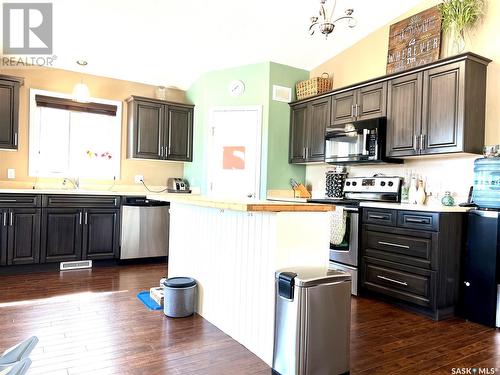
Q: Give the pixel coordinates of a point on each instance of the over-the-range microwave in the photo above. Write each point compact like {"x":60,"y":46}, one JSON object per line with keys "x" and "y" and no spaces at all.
{"x":357,"y":142}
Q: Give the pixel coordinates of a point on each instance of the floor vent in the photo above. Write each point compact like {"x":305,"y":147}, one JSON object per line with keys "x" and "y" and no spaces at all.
{"x":75,"y":265}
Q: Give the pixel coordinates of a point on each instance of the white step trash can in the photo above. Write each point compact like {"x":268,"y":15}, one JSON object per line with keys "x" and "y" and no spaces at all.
{"x":312,"y":322}
{"x":179,"y":297}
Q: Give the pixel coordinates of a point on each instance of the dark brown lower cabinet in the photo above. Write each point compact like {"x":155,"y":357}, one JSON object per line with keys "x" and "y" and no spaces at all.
{"x":413,"y":258}
{"x":23,"y":236}
{"x":3,"y":236}
{"x":62,"y":234}
{"x":101,"y":233}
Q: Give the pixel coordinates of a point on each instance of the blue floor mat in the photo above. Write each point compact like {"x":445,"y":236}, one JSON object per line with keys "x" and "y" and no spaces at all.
{"x":145,"y":298}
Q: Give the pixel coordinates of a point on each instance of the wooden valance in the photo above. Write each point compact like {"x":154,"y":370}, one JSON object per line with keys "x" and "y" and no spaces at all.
{"x":71,"y":105}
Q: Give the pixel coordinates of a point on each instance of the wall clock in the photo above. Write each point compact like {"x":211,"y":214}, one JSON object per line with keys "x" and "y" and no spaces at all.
{"x":236,"y":88}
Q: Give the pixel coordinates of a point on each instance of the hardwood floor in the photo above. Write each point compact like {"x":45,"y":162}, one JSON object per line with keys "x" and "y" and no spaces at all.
{"x":89,"y":322}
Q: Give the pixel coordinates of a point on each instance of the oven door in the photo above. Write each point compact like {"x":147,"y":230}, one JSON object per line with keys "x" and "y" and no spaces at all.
{"x":347,"y":251}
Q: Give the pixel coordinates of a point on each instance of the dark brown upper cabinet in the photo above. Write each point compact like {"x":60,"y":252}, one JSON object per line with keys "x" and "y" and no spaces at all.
{"x":9,"y":111}
{"x":404,"y":114}
{"x":360,"y":104}
{"x":307,"y":131}
{"x":439,"y":110}
{"x":159,"y":130}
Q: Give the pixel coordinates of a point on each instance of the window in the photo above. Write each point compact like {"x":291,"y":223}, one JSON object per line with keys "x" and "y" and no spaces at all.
{"x":66,"y":142}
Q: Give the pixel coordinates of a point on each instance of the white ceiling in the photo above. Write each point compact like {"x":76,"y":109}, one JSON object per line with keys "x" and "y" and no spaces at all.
{"x":173,"y":42}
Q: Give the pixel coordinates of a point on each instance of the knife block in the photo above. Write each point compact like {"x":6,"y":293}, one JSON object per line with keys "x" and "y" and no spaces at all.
{"x":301,"y":192}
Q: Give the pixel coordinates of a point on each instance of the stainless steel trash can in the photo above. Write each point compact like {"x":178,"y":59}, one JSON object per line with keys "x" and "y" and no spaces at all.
{"x":179,"y":297}
{"x":312,"y":322}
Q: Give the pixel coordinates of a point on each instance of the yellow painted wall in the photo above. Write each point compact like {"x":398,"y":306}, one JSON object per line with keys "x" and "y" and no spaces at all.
{"x":155,"y":172}
{"x":367,"y":59}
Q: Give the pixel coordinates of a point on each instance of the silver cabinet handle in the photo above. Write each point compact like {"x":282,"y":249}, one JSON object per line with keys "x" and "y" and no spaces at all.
{"x":161,"y":151}
{"x":352,"y":110}
{"x":393,"y":244}
{"x":392,"y":280}
{"x":15,"y":139}
{"x":379,"y":217}
{"x":415,"y":143}
{"x":357,"y":110}
{"x":303,"y":153}
{"x":80,"y":214}
{"x":7,"y":200}
{"x":86,"y":218}
{"x":5,"y":219}
{"x":307,"y":152}
{"x":418,"y":221}
{"x":422,"y":141}
{"x":11,"y":219}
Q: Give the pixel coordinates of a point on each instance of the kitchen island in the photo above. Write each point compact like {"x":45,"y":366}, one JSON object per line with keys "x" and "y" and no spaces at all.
{"x":233,"y":250}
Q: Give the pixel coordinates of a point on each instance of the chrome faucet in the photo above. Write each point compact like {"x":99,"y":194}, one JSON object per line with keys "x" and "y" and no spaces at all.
{"x":75,"y":182}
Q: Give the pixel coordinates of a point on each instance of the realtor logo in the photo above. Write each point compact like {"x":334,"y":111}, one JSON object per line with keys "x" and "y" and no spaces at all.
{"x":27,"y":28}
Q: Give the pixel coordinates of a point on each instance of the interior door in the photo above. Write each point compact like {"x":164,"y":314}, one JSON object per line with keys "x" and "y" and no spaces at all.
{"x":101,"y":233}
{"x":404,"y":114}
{"x":343,"y":108}
{"x":442,"y":114}
{"x":180,"y":134}
{"x":298,"y":133}
{"x":148,"y":128}
{"x":319,"y":113}
{"x":234,"y":151}
{"x":23,"y":236}
{"x":62,"y":235}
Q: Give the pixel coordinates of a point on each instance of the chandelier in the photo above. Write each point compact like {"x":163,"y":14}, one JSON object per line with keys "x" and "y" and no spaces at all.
{"x":325,"y":22}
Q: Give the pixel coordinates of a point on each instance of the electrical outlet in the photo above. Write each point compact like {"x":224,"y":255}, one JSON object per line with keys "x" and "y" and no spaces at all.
{"x":11,"y":174}
{"x":138,"y":178}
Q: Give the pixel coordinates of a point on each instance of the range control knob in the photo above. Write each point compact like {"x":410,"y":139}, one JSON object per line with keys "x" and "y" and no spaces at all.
{"x":354,"y":183}
{"x":382,"y":183}
{"x":347,"y":183}
{"x":390,"y":183}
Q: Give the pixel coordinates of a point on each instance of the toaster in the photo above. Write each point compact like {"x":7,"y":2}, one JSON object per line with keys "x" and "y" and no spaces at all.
{"x":177,"y":185}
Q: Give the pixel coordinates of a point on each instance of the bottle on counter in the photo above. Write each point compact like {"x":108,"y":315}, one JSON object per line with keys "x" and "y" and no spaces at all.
{"x":412,"y":191}
{"x":447,"y":199}
{"x":405,"y":189}
{"x":420,"y":195}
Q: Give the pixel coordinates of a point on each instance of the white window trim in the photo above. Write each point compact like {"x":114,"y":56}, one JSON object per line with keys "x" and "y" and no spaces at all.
{"x":33,"y":124}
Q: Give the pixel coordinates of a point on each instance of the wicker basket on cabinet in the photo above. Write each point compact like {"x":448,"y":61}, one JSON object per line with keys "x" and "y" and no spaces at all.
{"x":313,"y":86}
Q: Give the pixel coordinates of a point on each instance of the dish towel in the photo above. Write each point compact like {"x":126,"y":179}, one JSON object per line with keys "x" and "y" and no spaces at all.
{"x":337,"y":225}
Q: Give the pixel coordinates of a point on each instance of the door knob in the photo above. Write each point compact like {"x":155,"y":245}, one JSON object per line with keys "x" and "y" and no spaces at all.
{"x":250,"y":195}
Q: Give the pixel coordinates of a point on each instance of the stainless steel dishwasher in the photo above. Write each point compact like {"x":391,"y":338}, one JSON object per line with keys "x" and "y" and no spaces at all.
{"x":145,"y":227}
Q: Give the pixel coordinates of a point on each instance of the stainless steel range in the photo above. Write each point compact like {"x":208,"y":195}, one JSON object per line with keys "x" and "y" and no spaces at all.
{"x":345,"y":256}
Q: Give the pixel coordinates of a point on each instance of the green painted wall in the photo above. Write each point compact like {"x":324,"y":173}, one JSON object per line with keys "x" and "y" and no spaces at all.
{"x":211,"y":90}
{"x":279,"y":171}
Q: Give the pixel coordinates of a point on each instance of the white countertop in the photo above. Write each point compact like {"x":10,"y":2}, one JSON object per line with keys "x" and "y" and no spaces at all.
{"x":79,"y":192}
{"x":415,"y":207}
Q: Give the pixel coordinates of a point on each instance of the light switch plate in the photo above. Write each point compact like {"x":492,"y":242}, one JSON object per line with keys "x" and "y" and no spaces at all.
{"x":11,"y":174}
{"x":138,"y":178}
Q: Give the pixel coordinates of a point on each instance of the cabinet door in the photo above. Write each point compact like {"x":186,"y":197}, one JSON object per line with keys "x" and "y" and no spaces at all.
{"x":442,"y":113}
{"x":9,"y":114}
{"x":179,"y":134}
{"x":319,"y":115}
{"x":23,"y":236}
{"x":101,"y":233}
{"x":62,"y":230}
{"x":404,"y":111}
{"x":298,"y":134}
{"x":372,"y":101}
{"x":146,"y":124}
{"x":343,"y":108}
{"x":3,"y":237}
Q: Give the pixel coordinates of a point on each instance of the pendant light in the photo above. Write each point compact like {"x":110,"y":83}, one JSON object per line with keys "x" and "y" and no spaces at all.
{"x":81,"y":92}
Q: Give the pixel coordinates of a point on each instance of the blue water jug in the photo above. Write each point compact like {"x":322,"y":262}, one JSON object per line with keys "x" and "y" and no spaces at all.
{"x":487,"y":182}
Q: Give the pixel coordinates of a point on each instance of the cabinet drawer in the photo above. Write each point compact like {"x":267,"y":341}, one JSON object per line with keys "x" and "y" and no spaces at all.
{"x":379,"y":216}
{"x":418,"y":220}
{"x":401,"y":282}
{"x":19,"y":200}
{"x":401,"y":248}
{"x":81,"y":201}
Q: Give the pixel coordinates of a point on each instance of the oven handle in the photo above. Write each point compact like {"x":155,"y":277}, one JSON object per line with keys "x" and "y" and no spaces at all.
{"x":364,"y":151}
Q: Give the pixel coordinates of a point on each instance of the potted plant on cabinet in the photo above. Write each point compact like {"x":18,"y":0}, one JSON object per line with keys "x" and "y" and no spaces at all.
{"x":457,"y":17}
